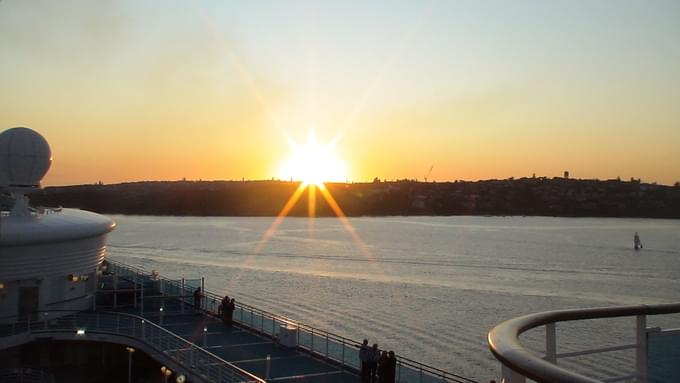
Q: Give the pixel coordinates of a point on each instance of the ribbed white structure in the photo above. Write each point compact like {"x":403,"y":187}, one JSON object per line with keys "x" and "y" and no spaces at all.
{"x":39,"y":253}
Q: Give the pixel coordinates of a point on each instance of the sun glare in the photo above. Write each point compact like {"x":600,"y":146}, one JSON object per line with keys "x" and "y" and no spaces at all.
{"x":313,"y":164}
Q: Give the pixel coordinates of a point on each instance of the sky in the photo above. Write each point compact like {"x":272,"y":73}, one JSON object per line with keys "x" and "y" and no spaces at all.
{"x":213,"y":90}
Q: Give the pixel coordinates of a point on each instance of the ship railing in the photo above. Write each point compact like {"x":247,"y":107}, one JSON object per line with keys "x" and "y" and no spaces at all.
{"x":651,"y":364}
{"x":25,"y":375}
{"x":327,"y":345}
{"x":194,"y":360}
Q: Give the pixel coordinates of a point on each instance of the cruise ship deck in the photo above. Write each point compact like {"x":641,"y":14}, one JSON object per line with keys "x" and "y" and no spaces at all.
{"x":241,"y":345}
{"x":144,"y":311}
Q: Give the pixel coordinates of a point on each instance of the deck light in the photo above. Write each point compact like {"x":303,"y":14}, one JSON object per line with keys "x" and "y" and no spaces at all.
{"x":80,"y":332}
{"x":166,"y":371}
{"x":181,"y":379}
{"x":2,"y":285}
{"x":72,"y":278}
{"x":130,"y":349}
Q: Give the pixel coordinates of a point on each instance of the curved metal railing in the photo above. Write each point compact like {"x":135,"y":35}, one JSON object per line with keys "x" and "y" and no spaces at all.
{"x":333,"y":347}
{"x":25,"y":375}
{"x":504,"y":340}
{"x":192,"y":358}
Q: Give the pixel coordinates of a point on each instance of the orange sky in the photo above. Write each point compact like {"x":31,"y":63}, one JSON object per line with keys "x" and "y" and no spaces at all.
{"x":206,"y":90}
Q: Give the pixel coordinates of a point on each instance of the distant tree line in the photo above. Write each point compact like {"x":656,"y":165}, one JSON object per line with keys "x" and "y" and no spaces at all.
{"x":525,"y":196}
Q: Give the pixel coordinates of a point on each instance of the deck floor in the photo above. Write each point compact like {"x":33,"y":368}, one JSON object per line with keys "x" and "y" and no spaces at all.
{"x":238,"y":344}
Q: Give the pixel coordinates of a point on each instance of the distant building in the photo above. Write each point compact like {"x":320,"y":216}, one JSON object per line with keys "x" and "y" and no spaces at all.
{"x":566,"y":174}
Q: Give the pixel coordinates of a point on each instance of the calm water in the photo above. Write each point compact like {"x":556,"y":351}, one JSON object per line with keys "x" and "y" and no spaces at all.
{"x":428,"y":287}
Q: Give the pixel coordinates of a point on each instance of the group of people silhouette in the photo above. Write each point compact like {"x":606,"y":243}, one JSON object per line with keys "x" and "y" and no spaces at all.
{"x":377,"y":366}
{"x":226,"y":310}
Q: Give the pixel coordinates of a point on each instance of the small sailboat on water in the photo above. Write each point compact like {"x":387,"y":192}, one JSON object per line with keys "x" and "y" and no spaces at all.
{"x":637,"y":244}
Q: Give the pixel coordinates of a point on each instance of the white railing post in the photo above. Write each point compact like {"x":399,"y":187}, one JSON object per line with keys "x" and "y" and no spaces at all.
{"x":510,"y":376}
{"x":641,"y":354}
{"x":550,"y":343}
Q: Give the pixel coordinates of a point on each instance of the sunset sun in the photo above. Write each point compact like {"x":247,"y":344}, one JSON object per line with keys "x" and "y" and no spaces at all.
{"x":313,"y":164}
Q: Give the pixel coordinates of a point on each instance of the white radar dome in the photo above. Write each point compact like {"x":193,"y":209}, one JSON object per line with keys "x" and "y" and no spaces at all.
{"x":25,"y":157}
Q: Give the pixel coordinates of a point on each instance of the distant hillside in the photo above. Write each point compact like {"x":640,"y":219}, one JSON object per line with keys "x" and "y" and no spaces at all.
{"x":525,"y":196}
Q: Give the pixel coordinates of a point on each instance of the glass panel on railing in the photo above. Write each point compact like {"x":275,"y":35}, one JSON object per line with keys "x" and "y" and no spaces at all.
{"x":245,"y":317}
{"x":663,"y":356}
{"x":432,"y":378}
{"x":256,"y":321}
{"x":408,"y":375}
{"x":352,"y":356}
{"x":320,"y":344}
{"x":335,"y":350}
{"x":305,"y":339}
{"x":268,"y":326}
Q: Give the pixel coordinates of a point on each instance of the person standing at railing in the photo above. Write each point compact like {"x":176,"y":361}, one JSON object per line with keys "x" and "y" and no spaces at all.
{"x":391,"y":367}
{"x":373,"y":364}
{"x":365,"y":359}
{"x":383,"y":365}
{"x":229,"y":309}
{"x":222,"y":310}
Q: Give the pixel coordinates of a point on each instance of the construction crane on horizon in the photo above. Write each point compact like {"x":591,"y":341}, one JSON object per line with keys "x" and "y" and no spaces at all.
{"x":429,"y":172}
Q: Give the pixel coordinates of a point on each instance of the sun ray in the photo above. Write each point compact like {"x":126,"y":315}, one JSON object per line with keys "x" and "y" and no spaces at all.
{"x":345,"y":222}
{"x":311,"y":203}
{"x":279,"y":218}
{"x":269,"y":232}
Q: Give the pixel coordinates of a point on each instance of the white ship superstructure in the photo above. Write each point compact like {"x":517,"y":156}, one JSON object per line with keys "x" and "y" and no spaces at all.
{"x":48,"y":257}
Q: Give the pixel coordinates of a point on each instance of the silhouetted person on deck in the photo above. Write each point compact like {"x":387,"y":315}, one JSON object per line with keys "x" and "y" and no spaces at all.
{"x":383,"y":366}
{"x":231,"y":306}
{"x":373,"y":365}
{"x":365,"y":359}
{"x":391,"y":367}
{"x":197,"y":298}
{"x":222,"y":311}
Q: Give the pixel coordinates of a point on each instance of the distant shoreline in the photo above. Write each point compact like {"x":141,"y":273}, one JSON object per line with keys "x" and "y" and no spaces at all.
{"x":547,"y":197}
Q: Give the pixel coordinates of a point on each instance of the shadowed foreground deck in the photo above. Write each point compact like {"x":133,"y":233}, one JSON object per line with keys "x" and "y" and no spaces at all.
{"x":238,"y":344}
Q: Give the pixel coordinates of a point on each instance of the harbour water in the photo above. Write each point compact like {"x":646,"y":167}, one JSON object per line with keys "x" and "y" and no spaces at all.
{"x":428,"y":287}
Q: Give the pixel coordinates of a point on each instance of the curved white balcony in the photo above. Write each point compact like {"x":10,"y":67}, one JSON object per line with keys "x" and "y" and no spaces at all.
{"x":518,"y":363}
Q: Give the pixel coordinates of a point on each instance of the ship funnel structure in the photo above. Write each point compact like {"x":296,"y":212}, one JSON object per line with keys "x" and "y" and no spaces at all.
{"x":25,"y":157}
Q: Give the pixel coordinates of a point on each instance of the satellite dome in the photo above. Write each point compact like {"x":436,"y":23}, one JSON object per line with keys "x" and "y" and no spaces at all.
{"x":25,"y":157}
